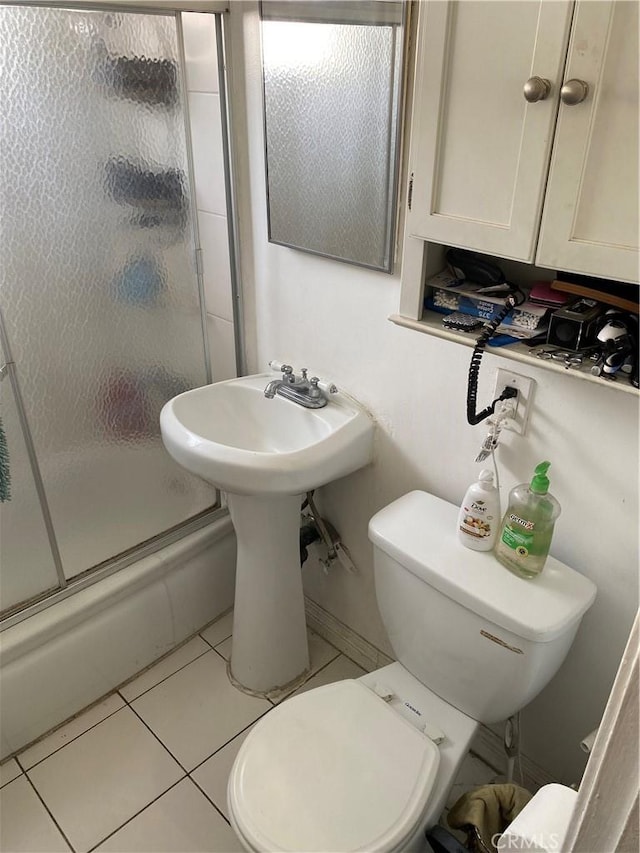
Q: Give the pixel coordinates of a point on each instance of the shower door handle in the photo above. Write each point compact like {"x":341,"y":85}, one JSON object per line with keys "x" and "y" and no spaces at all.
{"x":4,"y":369}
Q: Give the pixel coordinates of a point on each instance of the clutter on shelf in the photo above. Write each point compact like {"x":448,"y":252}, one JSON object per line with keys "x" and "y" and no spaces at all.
{"x":576,"y":321}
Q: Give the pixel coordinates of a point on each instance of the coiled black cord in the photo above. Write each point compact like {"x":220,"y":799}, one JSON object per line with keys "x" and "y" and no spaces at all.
{"x":484,"y":337}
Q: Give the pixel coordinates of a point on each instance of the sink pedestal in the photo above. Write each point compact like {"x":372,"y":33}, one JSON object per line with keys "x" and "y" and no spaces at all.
{"x":269,"y":647}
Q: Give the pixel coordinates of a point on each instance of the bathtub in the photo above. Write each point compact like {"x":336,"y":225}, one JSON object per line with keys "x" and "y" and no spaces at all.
{"x":55,"y":663}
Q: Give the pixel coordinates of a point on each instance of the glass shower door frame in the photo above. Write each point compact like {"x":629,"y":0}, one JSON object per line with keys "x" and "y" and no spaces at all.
{"x":8,"y":370}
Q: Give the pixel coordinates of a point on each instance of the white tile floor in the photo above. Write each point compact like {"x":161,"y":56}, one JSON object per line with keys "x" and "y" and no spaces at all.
{"x":146,"y":769}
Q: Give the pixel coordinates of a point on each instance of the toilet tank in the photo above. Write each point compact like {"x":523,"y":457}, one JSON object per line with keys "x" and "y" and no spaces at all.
{"x":481,"y":638}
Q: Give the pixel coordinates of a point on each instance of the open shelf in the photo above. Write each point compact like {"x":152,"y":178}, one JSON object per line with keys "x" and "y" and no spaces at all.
{"x":431,"y":324}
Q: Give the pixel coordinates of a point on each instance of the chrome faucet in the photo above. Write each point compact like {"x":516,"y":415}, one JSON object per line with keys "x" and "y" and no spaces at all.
{"x":287,"y":376}
{"x":306,"y":392}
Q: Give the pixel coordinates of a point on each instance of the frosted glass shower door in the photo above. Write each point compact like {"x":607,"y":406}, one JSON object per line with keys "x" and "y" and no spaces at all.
{"x":99,"y":287}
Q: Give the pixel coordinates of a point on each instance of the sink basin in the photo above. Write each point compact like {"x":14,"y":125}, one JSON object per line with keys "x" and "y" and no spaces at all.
{"x":231,"y":435}
{"x":266,"y":454}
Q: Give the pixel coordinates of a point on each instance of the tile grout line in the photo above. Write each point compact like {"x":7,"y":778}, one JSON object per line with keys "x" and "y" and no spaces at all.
{"x":189,"y":772}
{"x":173,"y":785}
{"x":163,"y":745}
{"x":57,"y":749}
{"x":127,"y":703}
{"x":182,"y":767}
{"x":185,"y":776}
{"x":484,"y":761}
{"x":220,"y":655}
{"x":115,"y":692}
{"x":162,"y":680}
{"x":49,"y":812}
{"x":209,"y":800}
{"x":222,"y":746}
{"x":345,"y":655}
{"x":168,"y":654}
{"x":139,"y":812}
{"x":21,"y":773}
{"x":52,"y":731}
{"x":312,"y":675}
{"x":186,"y":772}
{"x":211,"y":646}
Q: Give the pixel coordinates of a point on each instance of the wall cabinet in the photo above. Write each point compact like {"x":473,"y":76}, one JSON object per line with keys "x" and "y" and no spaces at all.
{"x":540,"y":180}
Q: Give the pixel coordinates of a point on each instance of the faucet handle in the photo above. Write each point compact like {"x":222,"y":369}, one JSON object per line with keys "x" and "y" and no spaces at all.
{"x":276,"y":365}
{"x":323,"y":387}
{"x":326,"y":387}
{"x":303,"y":372}
{"x":314,"y":391}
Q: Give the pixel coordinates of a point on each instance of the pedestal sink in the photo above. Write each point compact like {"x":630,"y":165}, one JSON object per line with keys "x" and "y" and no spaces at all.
{"x":266,"y":454}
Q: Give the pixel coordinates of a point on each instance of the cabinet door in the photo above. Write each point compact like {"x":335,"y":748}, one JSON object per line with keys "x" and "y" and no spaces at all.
{"x":590,"y":221}
{"x":480,"y":152}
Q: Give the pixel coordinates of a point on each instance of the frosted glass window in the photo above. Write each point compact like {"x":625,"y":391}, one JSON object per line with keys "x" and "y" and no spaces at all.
{"x":98,"y":279}
{"x":331,"y":95}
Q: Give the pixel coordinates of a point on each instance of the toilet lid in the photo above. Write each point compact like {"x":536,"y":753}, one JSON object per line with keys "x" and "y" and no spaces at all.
{"x":332,"y":769}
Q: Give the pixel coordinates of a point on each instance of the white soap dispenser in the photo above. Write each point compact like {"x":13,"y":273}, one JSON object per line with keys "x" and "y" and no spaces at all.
{"x":479,"y":518}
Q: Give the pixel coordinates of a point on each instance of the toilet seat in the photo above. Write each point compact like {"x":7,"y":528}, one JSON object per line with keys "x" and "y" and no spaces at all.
{"x":332,"y":769}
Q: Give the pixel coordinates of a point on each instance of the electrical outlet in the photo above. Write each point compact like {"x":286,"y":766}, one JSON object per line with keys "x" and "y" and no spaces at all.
{"x":524,"y":386}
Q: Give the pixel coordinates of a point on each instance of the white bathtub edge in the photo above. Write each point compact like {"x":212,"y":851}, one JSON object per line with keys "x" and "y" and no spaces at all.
{"x":62,"y":659}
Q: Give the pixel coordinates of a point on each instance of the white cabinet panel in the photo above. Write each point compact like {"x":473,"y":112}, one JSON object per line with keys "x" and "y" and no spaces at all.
{"x":480,"y":152}
{"x":590,"y":223}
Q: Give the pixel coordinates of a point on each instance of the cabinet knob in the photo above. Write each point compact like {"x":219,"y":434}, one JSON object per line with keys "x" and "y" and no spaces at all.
{"x":574,"y":92}
{"x":536,"y":89}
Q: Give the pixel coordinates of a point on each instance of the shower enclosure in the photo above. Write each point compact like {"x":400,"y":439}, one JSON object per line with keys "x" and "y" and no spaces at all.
{"x":101,"y":315}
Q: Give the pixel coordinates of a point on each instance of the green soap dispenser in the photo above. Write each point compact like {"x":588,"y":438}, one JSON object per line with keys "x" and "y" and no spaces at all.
{"x":527,"y":527}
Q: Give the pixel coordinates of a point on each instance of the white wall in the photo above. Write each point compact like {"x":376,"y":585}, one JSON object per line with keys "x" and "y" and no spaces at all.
{"x":201,"y":59}
{"x":333,"y":318}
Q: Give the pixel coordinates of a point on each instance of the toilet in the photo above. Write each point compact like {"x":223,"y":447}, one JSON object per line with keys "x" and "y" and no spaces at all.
{"x":367,"y":764}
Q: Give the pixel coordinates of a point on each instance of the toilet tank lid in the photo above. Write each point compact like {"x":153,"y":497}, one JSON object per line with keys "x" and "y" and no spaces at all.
{"x":419,"y":531}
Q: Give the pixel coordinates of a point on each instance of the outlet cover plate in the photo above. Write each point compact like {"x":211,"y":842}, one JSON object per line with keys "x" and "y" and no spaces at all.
{"x":524,"y":386}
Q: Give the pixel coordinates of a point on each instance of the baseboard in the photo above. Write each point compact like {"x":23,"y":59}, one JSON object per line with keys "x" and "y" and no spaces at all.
{"x":488,"y":746}
{"x":345,"y":639}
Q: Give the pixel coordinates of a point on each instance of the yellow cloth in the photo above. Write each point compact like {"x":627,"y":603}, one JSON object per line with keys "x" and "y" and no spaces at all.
{"x":488,"y":810}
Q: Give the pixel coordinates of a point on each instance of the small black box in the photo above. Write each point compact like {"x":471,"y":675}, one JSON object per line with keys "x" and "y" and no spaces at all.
{"x":574,"y":326}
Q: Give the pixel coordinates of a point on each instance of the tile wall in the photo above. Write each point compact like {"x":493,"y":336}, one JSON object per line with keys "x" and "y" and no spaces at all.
{"x":206,"y":133}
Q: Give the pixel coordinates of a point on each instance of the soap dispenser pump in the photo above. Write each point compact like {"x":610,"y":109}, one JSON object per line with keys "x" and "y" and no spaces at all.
{"x":479,"y":517}
{"x":527,"y":527}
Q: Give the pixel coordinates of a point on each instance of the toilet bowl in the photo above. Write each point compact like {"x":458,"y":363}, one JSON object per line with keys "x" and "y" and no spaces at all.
{"x":364,"y":760}
{"x":367,"y":764}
